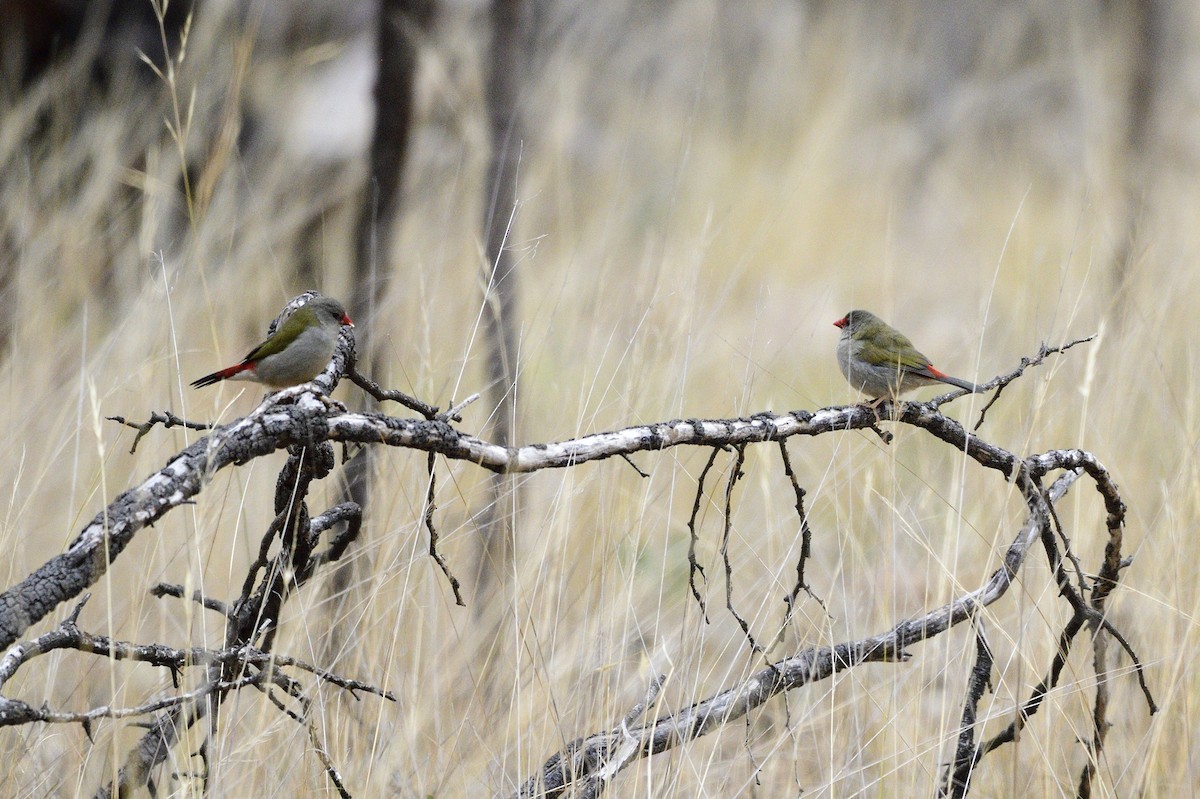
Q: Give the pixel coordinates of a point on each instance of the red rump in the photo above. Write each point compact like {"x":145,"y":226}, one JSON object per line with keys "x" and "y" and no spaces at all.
{"x":248,"y":365}
{"x":224,"y":374}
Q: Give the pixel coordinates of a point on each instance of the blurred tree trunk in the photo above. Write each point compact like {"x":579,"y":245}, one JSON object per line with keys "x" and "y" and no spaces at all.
{"x":510,"y":23}
{"x":1147,"y":54}
{"x":401,"y":23}
{"x":105,"y":35}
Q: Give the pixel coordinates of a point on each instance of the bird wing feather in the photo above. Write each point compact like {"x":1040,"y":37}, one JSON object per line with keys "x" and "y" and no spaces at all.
{"x":289,"y":331}
{"x":890,"y":347}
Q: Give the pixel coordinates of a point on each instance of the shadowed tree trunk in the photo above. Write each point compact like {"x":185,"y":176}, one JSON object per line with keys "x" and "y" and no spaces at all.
{"x":1147,"y":53}
{"x":401,"y":22}
{"x":510,"y":22}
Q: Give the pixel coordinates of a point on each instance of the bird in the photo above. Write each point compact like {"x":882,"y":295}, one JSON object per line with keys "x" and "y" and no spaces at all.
{"x":295,"y":353}
{"x":881,"y":362}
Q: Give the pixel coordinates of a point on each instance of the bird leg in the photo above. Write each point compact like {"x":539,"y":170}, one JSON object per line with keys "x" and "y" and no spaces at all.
{"x":874,"y":406}
{"x":332,"y":404}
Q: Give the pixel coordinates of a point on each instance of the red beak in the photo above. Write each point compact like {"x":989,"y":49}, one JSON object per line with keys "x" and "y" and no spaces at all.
{"x":346,"y":320}
{"x":842,"y":322}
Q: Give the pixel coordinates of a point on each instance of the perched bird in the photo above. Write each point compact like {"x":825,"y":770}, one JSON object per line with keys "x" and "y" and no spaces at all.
{"x":881,"y":362}
{"x":295,"y":353}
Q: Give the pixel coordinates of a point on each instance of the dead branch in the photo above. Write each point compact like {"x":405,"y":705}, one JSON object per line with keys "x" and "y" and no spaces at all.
{"x":735,"y":474}
{"x":694,"y":566}
{"x":805,"y":544}
{"x":165,"y":418}
{"x":303,"y":415}
{"x":381,"y":394}
{"x":1001,"y":382}
{"x":587,"y":764}
{"x":254,"y":616}
{"x":305,"y":421}
{"x":437,"y":556}
{"x":957,"y":778}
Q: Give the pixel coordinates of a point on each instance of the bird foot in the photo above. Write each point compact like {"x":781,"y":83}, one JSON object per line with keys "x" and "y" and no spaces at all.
{"x":332,"y":404}
{"x":874,"y":406}
{"x":289,"y":395}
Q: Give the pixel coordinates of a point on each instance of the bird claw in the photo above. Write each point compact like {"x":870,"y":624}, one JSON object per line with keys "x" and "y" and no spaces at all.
{"x":289,"y":396}
{"x":873,"y":405}
{"x":332,"y":404}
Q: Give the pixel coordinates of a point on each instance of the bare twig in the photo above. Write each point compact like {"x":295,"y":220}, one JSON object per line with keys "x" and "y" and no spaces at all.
{"x":1038,"y":695}
{"x":453,"y":413}
{"x":165,"y":418}
{"x":735,"y":474}
{"x":805,"y":543}
{"x":1095,"y":745}
{"x":1001,"y":382}
{"x":634,"y":466}
{"x":957,"y":778}
{"x":349,"y":513}
{"x":1080,"y":580}
{"x":304,"y":718}
{"x":437,"y":556}
{"x":168,"y":589}
{"x":694,"y":566}
{"x":639,"y":710}
{"x":593,"y":754}
{"x":381,"y":394}
{"x":270,"y":581}
{"x":331,"y":770}
{"x":602,"y":766}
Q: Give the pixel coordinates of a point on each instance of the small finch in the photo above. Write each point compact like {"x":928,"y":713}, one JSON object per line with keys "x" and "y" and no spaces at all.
{"x":881,"y":362}
{"x":295,"y":353}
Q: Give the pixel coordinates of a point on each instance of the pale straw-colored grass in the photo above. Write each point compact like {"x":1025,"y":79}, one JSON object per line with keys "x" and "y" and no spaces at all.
{"x":704,"y":191}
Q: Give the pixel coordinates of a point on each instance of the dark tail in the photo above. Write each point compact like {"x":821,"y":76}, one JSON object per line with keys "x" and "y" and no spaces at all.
{"x":963,"y":384}
{"x":207,"y":380}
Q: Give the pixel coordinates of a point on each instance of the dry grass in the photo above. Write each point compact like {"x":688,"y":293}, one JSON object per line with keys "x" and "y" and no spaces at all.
{"x":704,"y":194}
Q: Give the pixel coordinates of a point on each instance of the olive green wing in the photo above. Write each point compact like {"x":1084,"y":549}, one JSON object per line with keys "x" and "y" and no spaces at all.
{"x":889,"y":346}
{"x":300,"y":320}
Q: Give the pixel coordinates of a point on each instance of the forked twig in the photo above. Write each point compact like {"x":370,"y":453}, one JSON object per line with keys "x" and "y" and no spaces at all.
{"x":165,"y":418}
{"x":437,"y":556}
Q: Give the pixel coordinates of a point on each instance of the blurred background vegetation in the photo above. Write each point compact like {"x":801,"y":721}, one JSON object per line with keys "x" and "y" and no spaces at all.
{"x":702,"y":188}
